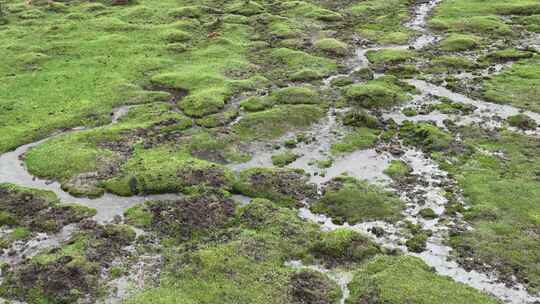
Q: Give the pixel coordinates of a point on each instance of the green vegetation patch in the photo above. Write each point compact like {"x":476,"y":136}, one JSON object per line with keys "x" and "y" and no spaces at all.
{"x":517,"y":85}
{"x":285,"y":63}
{"x":398,"y":169}
{"x":283,"y":159}
{"x":522,"y":121}
{"x":503,"y":194}
{"x":105,"y":57}
{"x":425,"y":136}
{"x":358,"y":139}
{"x":231,"y":272}
{"x":406,"y":279}
{"x":332,"y":46}
{"x":296,"y":95}
{"x":509,"y":55}
{"x":277,"y":121}
{"x":166,"y":170}
{"x":360,"y":118}
{"x":344,"y":246}
{"x":448,"y":64}
{"x":255,"y":104}
{"x":390,"y":56}
{"x":383,"y":92}
{"x":382,"y":21}
{"x":459,"y":42}
{"x":347,"y":199}
{"x":475,"y":17}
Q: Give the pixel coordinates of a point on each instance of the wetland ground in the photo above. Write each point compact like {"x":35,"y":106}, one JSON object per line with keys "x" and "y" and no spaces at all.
{"x":259,"y":151}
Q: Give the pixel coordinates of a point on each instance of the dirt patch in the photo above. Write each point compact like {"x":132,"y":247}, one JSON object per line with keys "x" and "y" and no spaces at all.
{"x":279,"y":185}
{"x":308,"y":287}
{"x":189,"y":217}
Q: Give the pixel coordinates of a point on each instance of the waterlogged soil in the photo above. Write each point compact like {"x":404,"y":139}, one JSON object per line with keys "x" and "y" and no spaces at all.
{"x":429,"y":183}
{"x":424,"y":187}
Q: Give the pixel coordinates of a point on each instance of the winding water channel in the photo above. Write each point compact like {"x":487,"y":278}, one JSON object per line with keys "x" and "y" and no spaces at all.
{"x":365,"y":164}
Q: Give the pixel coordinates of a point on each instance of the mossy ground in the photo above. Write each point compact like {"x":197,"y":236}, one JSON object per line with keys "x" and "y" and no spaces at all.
{"x":406,"y":279}
{"x":349,"y":200}
{"x":78,"y":80}
{"x":383,"y":92}
{"x":384,"y":21}
{"x":398,"y":169}
{"x":516,"y":86}
{"x":502,"y":195}
{"x":190,"y":69}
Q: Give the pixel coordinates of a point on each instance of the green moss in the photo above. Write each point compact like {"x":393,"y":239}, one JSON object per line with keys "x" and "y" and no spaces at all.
{"x":383,"y":92}
{"x":283,"y":28}
{"x":245,"y":8}
{"x":287,"y":63}
{"x":296,"y":95}
{"x":67,"y":156}
{"x":447,"y":64}
{"x":428,"y":213}
{"x":382,"y":22}
{"x":450,"y":107}
{"x":425,"y":136}
{"x":331,"y":46}
{"x":283,"y":159}
{"x":138,"y":216}
{"x":509,"y":55}
{"x":277,"y":121}
{"x":532,"y":23}
{"x":409,"y":112}
{"x":522,"y":121}
{"x":475,"y":17}
{"x":390,"y":56}
{"x":503,"y":195}
{"x":516,"y":85}
{"x":176,"y":36}
{"x":342,"y":81}
{"x":166,"y":170}
{"x":344,"y":246}
{"x":203,"y":103}
{"x":20,"y":233}
{"x":225,"y":272}
{"x":398,"y":169}
{"x":349,"y":200}
{"x":407,"y":279}
{"x":192,"y":11}
{"x":361,"y":138}
{"x":255,"y":104}
{"x":306,"y":75}
{"x":219,"y":119}
{"x":310,"y":10}
{"x":360,"y":118}
{"x":459,"y":42}
{"x":205,"y":276}
{"x":103,"y":53}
